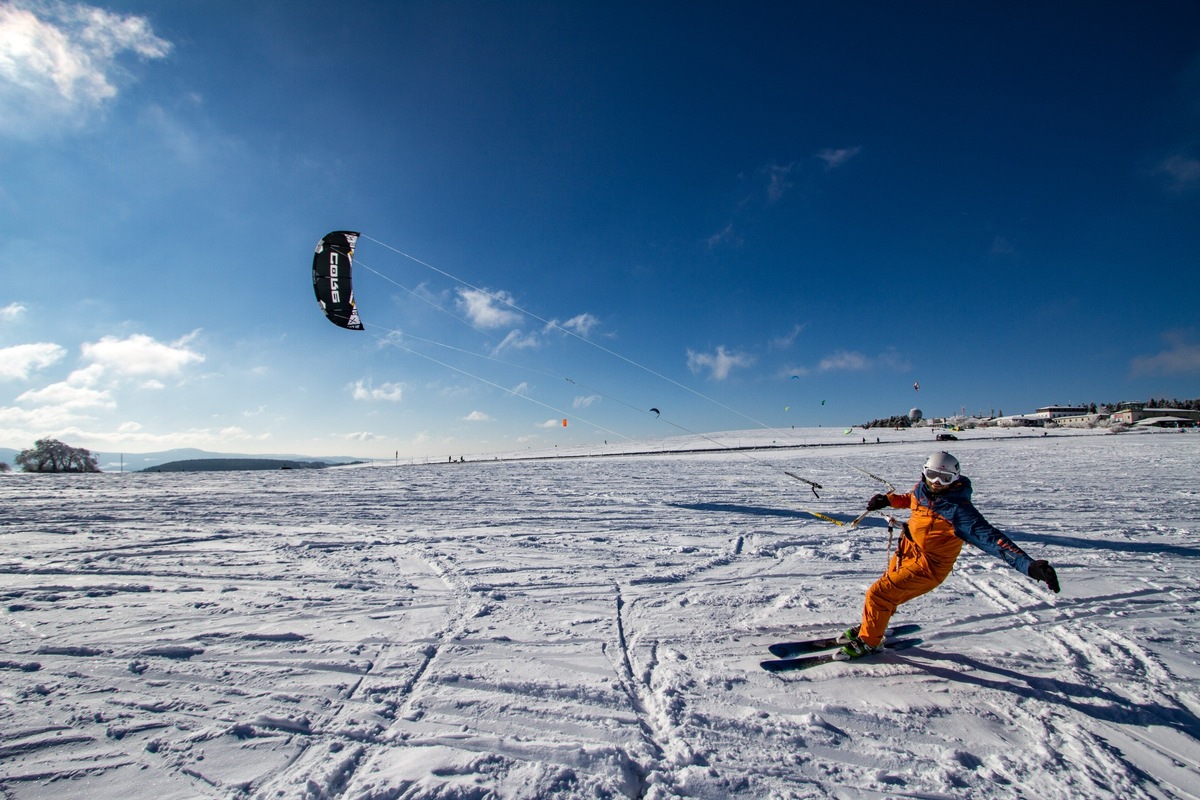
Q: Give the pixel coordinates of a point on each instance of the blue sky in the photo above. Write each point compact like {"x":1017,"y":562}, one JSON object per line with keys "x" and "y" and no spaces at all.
{"x":781,"y":215}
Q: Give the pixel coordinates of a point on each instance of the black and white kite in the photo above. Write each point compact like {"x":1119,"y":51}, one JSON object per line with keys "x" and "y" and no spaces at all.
{"x":331,"y":278}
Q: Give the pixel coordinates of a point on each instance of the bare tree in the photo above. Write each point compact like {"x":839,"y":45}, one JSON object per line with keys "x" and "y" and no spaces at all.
{"x":51,"y":455}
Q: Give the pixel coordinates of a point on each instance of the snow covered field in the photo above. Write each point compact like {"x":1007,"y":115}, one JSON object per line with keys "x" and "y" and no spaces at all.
{"x":592,"y":627}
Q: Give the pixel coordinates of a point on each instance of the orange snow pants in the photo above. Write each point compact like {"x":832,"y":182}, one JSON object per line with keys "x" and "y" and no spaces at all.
{"x":910,"y":574}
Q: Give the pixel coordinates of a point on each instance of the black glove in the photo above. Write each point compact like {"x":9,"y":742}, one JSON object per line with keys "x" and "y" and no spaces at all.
{"x":877,"y":502}
{"x":1042,"y":571}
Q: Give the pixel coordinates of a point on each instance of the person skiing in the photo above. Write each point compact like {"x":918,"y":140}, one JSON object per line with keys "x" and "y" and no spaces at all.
{"x":942,"y":519}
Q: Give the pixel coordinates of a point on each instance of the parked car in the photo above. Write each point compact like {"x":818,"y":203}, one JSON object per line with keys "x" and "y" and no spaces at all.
{"x":947,"y":437}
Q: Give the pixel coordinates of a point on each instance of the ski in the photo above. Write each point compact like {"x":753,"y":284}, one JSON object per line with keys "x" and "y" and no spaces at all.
{"x":790,"y":649}
{"x":807,"y":662}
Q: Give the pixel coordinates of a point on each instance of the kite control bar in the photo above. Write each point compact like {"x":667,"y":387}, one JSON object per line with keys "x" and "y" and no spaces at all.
{"x":812,"y":484}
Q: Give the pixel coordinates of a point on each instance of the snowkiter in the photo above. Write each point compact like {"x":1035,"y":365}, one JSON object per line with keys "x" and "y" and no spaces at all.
{"x":942,"y":519}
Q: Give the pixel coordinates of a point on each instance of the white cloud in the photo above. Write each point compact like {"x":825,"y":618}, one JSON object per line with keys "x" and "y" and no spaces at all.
{"x":59,"y":61}
{"x":844,"y":360}
{"x":517,"y":340}
{"x":852,"y":361}
{"x":581,"y":324}
{"x":719,"y":364}
{"x":130,"y":433}
{"x":391,"y":392}
{"x":585,"y":401}
{"x":477,"y":416}
{"x":12,"y":311}
{"x":778,"y":180}
{"x":551,"y":423}
{"x":32,"y":423}
{"x":1182,"y":357}
{"x":18,"y":361}
{"x":488,"y":309}
{"x":1183,"y":172}
{"x":836,"y":157}
{"x":788,"y":339}
{"x":68,"y":396}
{"x":141,"y":355}
{"x":727,"y":235}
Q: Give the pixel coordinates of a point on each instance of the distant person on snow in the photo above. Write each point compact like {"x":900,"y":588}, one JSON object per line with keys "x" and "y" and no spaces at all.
{"x":942,"y":519}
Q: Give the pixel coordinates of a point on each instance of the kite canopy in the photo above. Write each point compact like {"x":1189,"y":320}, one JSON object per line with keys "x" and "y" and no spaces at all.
{"x":331,"y":278}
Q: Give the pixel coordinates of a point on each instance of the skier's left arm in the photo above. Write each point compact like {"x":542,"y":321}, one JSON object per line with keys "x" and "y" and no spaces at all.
{"x":970,"y":526}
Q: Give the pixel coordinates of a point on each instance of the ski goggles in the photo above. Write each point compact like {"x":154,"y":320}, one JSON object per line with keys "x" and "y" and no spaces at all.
{"x":940,"y":477}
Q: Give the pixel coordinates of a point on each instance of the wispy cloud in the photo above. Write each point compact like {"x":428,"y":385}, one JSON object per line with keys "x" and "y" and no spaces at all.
{"x":778,"y":180}
{"x":20,"y":360}
{"x":518,"y":340}
{"x":1181,"y":357}
{"x":854,"y":361}
{"x":727,"y":235}
{"x":718,"y":364}
{"x":69,"y":396}
{"x":774,"y":181}
{"x":1182,"y":172}
{"x":580,"y":324}
{"x":142,"y":355}
{"x":844,"y":360}
{"x":12,"y":311}
{"x":787,"y":340}
{"x":59,"y":62}
{"x":388,"y":392}
{"x":477,"y":416}
{"x":488,"y":309}
{"x":585,"y":401}
{"x":837,"y":157}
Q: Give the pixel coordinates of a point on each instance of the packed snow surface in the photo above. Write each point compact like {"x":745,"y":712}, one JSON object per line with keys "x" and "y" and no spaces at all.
{"x":592,"y":627}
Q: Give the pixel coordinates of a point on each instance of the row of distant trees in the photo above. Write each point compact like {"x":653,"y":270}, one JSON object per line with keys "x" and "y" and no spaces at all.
{"x":51,"y":455}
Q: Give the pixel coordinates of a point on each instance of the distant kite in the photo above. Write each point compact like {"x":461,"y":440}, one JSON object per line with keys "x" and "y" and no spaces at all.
{"x":657,"y":413}
{"x":917,"y":386}
{"x":331,"y":279}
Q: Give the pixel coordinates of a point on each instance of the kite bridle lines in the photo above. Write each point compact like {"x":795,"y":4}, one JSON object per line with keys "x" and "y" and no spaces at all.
{"x":550,"y":324}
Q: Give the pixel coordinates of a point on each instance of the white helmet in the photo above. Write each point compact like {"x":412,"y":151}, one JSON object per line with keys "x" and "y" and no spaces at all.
{"x":940,"y":470}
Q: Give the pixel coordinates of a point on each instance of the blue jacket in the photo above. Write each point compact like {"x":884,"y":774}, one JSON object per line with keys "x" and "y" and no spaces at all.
{"x":954,"y":506}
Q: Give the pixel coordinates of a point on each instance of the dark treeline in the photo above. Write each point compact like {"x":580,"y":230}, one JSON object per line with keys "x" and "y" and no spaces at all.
{"x":231,"y":464}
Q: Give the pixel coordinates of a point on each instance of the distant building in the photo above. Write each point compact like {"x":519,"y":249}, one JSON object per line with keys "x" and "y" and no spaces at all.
{"x":1081,"y":420}
{"x":1151,"y":416}
{"x":1054,"y":412}
{"x":1019,"y":421}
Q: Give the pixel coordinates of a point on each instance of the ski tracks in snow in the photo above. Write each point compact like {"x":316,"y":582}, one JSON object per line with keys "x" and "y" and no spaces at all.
{"x":584,"y":629}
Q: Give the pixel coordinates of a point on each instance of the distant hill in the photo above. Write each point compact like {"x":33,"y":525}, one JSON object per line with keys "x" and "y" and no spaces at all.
{"x":229,"y":464}
{"x":137,"y":462}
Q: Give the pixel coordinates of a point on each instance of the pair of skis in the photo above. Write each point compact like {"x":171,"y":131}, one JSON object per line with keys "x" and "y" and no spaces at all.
{"x":793,"y":656}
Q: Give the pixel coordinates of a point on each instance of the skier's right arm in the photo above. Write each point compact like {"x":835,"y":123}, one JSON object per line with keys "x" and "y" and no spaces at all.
{"x":884,"y":500}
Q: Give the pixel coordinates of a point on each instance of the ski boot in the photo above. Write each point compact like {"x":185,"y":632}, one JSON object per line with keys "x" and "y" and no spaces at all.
{"x":856,"y":648}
